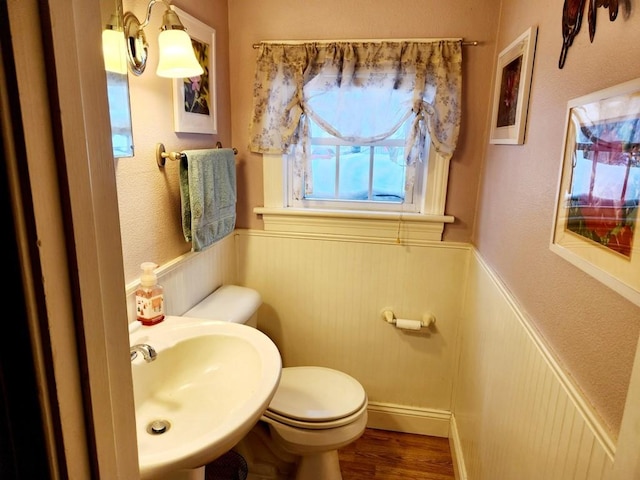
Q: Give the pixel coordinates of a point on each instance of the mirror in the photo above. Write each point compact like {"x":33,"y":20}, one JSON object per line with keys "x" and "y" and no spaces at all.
{"x":114,"y":51}
{"x":120,"y":114}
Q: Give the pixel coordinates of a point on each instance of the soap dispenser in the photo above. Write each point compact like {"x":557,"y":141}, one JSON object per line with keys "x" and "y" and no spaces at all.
{"x":149,"y":296}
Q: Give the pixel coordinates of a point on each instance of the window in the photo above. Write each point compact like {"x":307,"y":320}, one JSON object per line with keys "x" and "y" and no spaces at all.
{"x":368,"y":177}
{"x":357,"y":136}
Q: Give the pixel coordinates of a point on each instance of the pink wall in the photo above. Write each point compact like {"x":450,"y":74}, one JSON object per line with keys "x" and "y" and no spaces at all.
{"x":250,"y":22}
{"x":149,"y":197}
{"x":590,"y":328}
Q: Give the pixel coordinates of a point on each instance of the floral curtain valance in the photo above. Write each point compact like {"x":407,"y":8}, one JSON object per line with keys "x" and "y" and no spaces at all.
{"x":417,"y":80}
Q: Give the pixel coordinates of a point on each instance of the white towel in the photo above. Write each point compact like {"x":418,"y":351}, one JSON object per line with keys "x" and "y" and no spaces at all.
{"x":208,"y":195}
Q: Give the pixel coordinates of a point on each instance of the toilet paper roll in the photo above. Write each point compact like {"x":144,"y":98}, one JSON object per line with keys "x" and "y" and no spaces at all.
{"x":406,"y":324}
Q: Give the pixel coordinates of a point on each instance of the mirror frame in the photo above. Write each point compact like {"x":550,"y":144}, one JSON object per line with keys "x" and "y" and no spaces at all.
{"x":137,"y":46}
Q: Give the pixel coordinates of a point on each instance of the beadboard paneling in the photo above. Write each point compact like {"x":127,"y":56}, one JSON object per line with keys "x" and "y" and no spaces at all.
{"x":191,"y":277}
{"x":515,"y":413}
{"x":322,"y":304}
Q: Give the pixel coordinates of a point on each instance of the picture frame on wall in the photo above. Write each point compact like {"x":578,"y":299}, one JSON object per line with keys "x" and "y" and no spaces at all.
{"x":194,"y":99}
{"x":596,"y":219}
{"x":511,"y":91}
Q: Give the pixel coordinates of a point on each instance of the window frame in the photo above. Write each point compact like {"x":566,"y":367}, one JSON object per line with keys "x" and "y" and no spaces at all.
{"x":407,"y":228}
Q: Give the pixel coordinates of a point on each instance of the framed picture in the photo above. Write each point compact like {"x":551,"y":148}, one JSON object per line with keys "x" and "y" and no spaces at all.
{"x":194,"y":99}
{"x":596,"y":221}
{"x":511,"y":92}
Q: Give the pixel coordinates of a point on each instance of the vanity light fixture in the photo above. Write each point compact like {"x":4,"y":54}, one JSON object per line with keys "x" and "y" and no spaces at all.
{"x":177,"y":58}
{"x":113,"y":46}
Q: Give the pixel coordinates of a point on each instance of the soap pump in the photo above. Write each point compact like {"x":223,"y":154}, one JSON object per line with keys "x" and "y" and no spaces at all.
{"x":149,"y":296}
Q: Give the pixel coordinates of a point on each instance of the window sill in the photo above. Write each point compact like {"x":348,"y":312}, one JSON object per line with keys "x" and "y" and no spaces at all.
{"x":383,"y":227}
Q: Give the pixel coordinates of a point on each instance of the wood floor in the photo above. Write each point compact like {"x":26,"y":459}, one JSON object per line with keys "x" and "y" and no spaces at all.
{"x":385,"y":455}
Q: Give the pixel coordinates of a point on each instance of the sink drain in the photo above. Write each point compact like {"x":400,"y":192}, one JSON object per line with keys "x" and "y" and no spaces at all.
{"x":158,"y":427}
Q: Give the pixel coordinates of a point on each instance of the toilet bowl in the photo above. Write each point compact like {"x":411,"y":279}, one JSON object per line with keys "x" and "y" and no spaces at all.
{"x":315,"y":410}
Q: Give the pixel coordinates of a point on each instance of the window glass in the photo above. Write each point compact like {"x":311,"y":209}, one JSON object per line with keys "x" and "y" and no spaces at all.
{"x":389,"y":174}
{"x":350,"y":176}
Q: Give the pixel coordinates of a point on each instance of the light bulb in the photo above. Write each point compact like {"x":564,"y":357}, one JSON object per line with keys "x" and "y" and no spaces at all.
{"x":113,"y":51}
{"x":177,"y":58}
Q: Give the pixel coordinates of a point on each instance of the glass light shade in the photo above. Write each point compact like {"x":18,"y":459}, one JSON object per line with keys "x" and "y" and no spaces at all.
{"x":113,"y":51}
{"x":177,"y":59}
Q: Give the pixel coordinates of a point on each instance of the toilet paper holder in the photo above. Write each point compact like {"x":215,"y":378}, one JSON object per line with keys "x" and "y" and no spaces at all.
{"x":427,"y":320}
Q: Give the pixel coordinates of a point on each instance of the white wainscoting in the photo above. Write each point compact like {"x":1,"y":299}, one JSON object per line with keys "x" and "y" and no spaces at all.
{"x":322,"y":305}
{"x":482,"y":377}
{"x":515,"y":413}
{"x":189,"y":278}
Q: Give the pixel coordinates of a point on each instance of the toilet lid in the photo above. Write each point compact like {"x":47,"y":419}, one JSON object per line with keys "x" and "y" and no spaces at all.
{"x":316,"y":394}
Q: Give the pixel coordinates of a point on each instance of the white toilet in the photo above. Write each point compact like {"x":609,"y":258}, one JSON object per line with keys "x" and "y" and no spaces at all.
{"x":315,"y":410}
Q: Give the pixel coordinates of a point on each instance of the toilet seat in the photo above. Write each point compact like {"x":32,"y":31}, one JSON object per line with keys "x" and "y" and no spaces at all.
{"x":316,"y":398}
{"x":315,"y":425}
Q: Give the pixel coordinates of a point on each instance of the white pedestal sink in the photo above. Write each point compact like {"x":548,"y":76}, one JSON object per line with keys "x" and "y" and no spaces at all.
{"x":207,"y":387}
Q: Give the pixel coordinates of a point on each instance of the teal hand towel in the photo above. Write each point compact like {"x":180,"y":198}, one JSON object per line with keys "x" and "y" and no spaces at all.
{"x":207,"y":195}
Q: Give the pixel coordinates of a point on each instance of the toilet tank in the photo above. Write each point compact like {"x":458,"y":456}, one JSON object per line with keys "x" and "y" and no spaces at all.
{"x":229,"y":303}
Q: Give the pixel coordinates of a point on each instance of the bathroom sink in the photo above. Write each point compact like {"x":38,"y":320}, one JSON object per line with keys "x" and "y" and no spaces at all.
{"x":207,"y":387}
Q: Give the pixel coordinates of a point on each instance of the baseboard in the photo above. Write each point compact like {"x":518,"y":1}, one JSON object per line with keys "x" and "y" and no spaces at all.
{"x":459,"y":469}
{"x":399,"y":418}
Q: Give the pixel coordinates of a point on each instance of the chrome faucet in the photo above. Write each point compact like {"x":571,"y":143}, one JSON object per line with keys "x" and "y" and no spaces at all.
{"x":148,"y":352}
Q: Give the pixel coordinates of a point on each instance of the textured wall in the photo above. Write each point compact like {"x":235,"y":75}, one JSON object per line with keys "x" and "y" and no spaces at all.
{"x":251,"y":22}
{"x":590,"y":328}
{"x":149,"y":197}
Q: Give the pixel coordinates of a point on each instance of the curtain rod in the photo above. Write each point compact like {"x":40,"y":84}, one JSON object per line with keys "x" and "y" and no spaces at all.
{"x":469,"y":43}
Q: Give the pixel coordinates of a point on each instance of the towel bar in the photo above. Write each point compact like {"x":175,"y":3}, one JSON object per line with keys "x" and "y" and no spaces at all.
{"x":162,"y":155}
